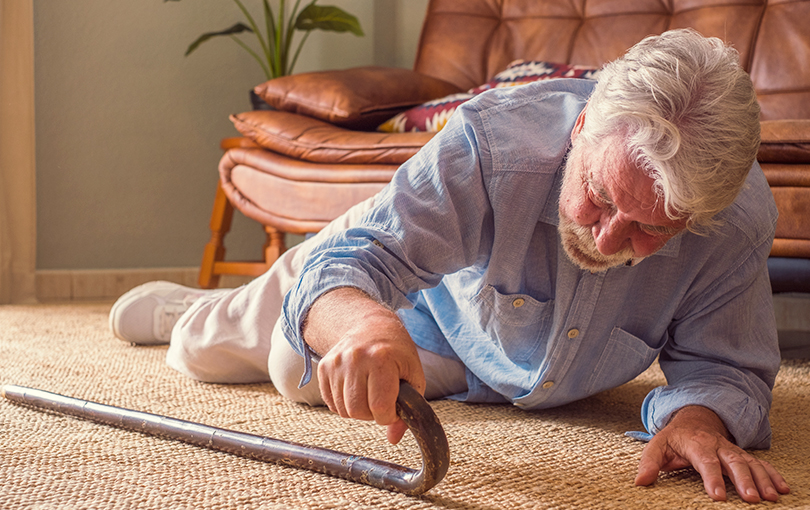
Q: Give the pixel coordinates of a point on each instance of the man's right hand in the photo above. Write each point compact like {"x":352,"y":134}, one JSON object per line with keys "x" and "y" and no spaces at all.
{"x":365,"y":351}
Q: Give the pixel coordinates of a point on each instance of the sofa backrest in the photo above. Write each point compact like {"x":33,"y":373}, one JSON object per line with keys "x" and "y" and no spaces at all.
{"x":466,"y":42}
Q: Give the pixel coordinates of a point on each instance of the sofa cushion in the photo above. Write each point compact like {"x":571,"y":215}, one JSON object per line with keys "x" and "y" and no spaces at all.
{"x":433,"y":115}
{"x":308,"y":139}
{"x":358,"y":98}
{"x":293,"y":195}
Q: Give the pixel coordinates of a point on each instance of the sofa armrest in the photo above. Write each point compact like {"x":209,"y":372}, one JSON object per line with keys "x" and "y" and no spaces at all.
{"x":784,"y":155}
{"x":785,"y":141}
{"x":358,"y":98}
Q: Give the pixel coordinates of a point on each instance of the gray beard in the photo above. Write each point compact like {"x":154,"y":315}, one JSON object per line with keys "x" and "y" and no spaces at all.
{"x":578,"y":241}
{"x":580,"y":247}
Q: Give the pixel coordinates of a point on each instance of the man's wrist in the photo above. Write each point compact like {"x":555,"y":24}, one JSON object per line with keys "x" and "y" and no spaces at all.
{"x":700,"y":417}
{"x":341,"y":311}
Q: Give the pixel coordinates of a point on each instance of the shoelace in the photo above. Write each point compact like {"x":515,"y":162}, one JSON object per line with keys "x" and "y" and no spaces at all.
{"x":166,"y":316}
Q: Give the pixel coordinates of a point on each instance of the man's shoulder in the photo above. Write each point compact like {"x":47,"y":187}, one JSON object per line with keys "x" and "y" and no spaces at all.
{"x":525,"y":128}
{"x":536,"y":93}
{"x":753,"y":214}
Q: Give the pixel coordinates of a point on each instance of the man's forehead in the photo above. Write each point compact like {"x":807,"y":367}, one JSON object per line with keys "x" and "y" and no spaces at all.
{"x":619,"y":179}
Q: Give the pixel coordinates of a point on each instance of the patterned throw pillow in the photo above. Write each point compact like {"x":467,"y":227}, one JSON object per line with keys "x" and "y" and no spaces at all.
{"x":433,"y":115}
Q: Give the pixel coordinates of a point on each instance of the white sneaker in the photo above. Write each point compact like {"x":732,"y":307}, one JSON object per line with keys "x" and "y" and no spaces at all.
{"x":146,"y":314}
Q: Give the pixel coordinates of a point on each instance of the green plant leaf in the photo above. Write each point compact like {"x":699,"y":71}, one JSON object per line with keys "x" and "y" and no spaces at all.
{"x":236,"y":29}
{"x":329,"y":18}
{"x":270,"y":26}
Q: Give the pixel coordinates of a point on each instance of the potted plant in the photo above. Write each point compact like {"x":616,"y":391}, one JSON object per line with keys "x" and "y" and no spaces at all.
{"x":275,"y":54}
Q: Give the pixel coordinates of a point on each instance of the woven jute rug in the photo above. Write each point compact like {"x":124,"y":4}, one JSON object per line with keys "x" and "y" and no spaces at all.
{"x":575,"y":456}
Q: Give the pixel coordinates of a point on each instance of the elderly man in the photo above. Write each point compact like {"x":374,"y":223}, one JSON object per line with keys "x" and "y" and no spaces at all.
{"x":548,"y":244}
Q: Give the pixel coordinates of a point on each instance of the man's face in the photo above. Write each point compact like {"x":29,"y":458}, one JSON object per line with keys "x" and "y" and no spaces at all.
{"x":609,"y":212}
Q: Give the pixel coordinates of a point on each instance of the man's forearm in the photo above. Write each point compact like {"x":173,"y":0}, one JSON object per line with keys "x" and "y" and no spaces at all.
{"x":338,"y":312}
{"x":365,"y":352}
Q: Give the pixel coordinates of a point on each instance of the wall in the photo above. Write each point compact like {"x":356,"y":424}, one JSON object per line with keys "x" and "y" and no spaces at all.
{"x":17,"y":153}
{"x":128,"y":129}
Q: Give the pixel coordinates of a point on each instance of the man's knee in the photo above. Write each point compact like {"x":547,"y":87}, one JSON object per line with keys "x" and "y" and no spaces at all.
{"x":286,"y":367}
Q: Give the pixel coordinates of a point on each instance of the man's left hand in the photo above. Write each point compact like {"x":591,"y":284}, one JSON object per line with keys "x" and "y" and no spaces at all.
{"x":697,"y":437}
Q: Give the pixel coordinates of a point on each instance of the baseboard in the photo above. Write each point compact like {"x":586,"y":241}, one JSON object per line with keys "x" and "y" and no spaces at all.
{"x":109,"y":284}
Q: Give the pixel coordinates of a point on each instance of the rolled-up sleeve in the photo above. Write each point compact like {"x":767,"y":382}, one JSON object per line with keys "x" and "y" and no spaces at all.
{"x":723,"y":354}
{"x":437,"y":200}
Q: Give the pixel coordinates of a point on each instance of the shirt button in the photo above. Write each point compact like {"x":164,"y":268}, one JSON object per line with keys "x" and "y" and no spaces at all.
{"x":573,"y":333}
{"x":517,"y":303}
{"x":548,"y":384}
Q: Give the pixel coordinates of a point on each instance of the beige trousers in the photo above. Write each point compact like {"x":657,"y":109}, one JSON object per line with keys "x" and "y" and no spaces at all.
{"x":234,"y":335}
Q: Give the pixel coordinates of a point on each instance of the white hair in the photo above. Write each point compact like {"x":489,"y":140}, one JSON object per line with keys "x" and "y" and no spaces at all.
{"x":690,"y":118}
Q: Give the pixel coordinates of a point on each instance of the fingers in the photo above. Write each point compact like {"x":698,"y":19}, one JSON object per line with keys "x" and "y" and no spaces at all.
{"x":396,"y":431}
{"x":382,"y":393}
{"x":346,"y":394}
{"x":754,"y":479}
{"x":651,"y":463}
{"x":336,"y":403}
{"x":766,"y":486}
{"x":711,"y":472}
{"x":333,"y":400}
{"x":740,"y":473}
{"x":658,"y":456}
{"x":779,"y":482}
{"x":365,"y":384}
{"x":714,"y":457}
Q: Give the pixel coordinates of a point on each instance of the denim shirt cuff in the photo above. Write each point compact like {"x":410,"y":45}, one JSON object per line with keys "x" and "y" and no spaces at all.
{"x":742,"y":415}
{"x":299,"y":300}
{"x":309,"y":356}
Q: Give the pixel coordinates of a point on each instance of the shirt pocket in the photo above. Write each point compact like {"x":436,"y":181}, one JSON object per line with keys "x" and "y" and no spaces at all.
{"x":624,"y":357}
{"x":517,"y":323}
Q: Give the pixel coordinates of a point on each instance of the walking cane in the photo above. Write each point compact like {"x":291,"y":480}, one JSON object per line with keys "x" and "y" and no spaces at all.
{"x":411,"y":406}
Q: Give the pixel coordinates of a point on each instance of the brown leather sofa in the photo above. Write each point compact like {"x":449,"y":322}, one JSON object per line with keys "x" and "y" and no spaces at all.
{"x":304,"y":163}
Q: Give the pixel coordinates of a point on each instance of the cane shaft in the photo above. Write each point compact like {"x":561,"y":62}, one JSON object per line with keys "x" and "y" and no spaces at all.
{"x":413,"y":409}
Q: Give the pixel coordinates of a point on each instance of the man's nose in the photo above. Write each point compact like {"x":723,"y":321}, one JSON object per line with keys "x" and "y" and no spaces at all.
{"x":612,"y":234}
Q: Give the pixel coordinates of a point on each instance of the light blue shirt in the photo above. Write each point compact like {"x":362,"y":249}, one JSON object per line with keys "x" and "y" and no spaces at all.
{"x":464,"y":243}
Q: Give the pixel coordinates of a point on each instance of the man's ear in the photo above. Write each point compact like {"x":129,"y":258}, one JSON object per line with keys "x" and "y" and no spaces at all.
{"x":579,"y":123}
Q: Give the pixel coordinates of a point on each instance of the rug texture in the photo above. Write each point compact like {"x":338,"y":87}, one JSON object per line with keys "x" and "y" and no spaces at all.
{"x":575,"y":456}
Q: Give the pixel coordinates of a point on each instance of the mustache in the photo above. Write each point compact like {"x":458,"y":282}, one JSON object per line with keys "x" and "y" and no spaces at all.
{"x":580,"y":247}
